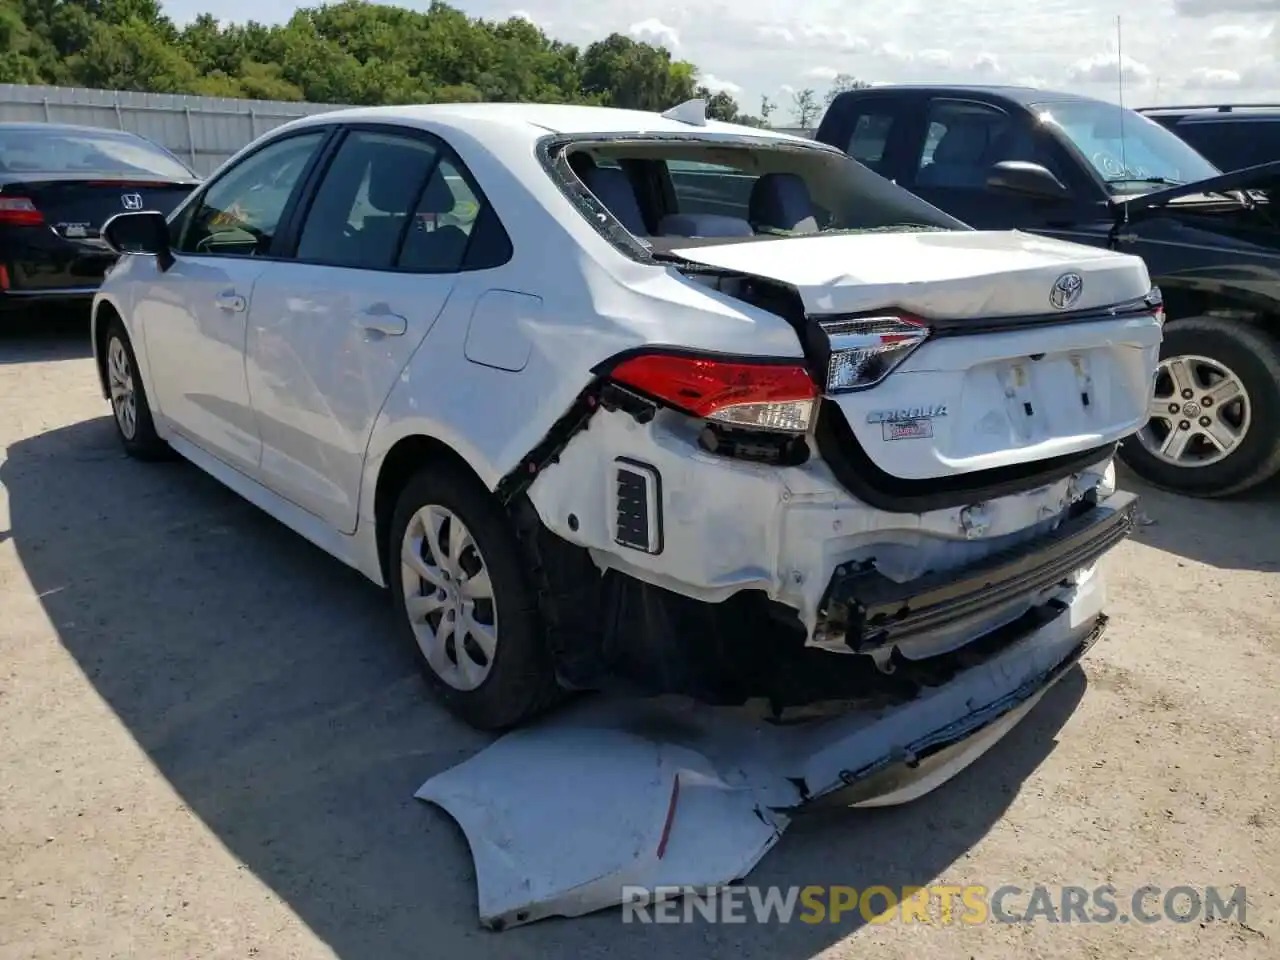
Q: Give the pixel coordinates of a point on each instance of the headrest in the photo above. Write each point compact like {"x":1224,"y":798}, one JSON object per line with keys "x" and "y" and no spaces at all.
{"x":580,"y":162}
{"x":436,"y":196}
{"x":781,"y":201}
{"x":703,"y":225}
{"x":963,"y":144}
{"x":613,"y":189}
{"x":391,"y":174}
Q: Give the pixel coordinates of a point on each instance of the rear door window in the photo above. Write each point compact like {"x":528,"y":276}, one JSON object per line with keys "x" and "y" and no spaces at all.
{"x":364,"y":204}
{"x":869,"y":139}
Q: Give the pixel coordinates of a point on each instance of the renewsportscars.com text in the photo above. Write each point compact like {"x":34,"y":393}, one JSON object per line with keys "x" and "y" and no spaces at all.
{"x":938,"y":904}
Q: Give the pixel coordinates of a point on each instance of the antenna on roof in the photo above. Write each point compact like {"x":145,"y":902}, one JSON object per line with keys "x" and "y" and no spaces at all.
{"x":692,"y":112}
{"x":1124,"y":160}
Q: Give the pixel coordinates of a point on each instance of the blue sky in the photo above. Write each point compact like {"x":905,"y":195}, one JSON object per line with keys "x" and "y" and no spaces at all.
{"x":1174,"y":51}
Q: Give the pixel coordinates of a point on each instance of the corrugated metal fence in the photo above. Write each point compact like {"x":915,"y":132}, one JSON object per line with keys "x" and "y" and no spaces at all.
{"x":203,"y":131}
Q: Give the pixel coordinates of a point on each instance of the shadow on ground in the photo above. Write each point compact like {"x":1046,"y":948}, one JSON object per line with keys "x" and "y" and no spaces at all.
{"x":45,"y":335}
{"x":263,"y":680}
{"x":1240,"y":533}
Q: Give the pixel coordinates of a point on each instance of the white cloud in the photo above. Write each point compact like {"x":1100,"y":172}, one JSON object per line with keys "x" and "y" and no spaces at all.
{"x":1229,"y":34}
{"x":1212,"y":78}
{"x":1188,"y":46}
{"x":716,"y":85}
{"x":822,"y":73}
{"x":1105,"y":68}
{"x":985,"y":64}
{"x":654,"y":30}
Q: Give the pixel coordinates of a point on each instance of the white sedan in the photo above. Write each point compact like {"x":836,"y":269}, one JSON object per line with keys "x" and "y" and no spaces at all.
{"x":602,"y":394}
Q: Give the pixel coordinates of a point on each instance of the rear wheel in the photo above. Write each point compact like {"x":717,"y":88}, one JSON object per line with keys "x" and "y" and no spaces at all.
{"x":1214,"y":410}
{"x":458,"y":583}
{"x":130,"y":408}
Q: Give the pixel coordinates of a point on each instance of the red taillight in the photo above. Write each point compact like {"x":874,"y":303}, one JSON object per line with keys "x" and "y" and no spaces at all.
{"x":759,"y":395}
{"x":19,"y":212}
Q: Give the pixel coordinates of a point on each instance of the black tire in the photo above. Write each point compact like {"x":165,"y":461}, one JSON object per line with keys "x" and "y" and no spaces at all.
{"x":144,"y":443}
{"x":521,"y":682}
{"x":1254,"y":356}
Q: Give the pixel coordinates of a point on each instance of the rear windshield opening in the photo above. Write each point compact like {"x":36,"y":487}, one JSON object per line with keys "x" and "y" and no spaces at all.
{"x":670,"y":193}
{"x":85,"y":152}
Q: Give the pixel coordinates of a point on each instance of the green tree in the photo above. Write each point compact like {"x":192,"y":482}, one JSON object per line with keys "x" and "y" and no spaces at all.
{"x":349,"y":51}
{"x":841,"y":83}
{"x":804,"y":107}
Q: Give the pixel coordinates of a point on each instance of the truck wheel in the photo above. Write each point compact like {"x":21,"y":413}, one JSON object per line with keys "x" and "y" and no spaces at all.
{"x":1214,"y":409}
{"x":465,"y":602}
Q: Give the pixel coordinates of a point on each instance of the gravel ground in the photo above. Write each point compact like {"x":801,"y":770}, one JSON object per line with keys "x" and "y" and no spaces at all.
{"x":209,"y":743}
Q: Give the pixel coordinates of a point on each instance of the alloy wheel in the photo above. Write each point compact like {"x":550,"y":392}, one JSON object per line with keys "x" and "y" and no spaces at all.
{"x":449,"y":597}
{"x":1200,"y":412}
{"x":124,"y":400}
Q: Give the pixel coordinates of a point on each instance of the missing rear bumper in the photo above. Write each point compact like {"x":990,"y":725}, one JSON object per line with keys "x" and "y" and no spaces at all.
{"x":561,"y":817}
{"x":873,"y":612}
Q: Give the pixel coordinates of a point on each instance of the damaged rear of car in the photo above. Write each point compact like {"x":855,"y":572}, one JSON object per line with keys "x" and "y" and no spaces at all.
{"x":931,"y":463}
{"x":837,"y":482}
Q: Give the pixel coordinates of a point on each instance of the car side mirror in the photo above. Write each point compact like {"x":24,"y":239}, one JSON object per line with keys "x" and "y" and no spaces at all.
{"x":1026,"y":179}
{"x":144,"y":233}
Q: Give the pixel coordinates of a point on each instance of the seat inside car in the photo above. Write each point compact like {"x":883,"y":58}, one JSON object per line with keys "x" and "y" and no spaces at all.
{"x":441,"y":248}
{"x":780,"y":201}
{"x":613,"y":188}
{"x":961,"y":157}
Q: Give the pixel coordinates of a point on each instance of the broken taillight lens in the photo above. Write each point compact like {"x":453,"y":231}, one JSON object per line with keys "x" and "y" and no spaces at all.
{"x":759,"y":395}
{"x":865,"y":350}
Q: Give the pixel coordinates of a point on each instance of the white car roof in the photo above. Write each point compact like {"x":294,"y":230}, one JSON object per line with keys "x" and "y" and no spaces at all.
{"x":536,"y":120}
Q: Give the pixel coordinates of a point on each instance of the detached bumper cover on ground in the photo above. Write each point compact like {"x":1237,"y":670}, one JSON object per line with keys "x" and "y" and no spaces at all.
{"x":561,"y":816}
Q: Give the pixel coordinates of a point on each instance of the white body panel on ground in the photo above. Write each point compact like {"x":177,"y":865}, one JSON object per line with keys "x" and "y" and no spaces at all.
{"x":681,"y":795}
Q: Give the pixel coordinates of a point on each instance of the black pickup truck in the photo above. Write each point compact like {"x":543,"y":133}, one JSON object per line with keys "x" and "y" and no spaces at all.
{"x":1231,"y":136}
{"x":1092,"y":172}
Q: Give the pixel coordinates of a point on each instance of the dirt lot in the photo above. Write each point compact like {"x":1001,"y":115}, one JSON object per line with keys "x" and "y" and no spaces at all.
{"x":209,"y":743}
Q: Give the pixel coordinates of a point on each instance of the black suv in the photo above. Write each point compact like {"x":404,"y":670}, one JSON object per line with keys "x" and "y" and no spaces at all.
{"x":1073,"y":168}
{"x":1231,"y":136}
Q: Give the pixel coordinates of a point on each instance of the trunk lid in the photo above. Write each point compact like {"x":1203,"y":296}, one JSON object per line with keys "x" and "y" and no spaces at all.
{"x":1008,"y":373}
{"x":75,"y":207}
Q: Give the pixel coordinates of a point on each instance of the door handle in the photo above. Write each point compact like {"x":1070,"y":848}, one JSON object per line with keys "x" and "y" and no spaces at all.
{"x":381,"y":321}
{"x":230,"y":301}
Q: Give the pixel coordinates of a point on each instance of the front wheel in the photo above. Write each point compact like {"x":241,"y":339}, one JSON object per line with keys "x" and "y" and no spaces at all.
{"x":461,"y":591}
{"x":1214,"y":410}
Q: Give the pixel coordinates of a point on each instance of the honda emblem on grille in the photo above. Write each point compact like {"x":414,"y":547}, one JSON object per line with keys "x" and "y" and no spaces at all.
{"x":131,"y":201}
{"x":1066,"y":291}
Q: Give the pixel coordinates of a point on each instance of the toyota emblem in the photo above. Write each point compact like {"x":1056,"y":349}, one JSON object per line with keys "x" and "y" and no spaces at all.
{"x":1066,"y":291}
{"x":131,"y":201}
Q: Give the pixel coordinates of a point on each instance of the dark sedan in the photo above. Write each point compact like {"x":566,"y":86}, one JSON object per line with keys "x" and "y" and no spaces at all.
{"x":58,"y":184}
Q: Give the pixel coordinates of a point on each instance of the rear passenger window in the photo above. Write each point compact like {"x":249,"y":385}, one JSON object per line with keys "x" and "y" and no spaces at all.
{"x":364,"y":204}
{"x":869,"y":138}
{"x":453,"y":227}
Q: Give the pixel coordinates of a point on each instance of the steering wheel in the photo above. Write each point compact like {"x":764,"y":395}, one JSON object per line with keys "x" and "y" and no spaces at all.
{"x":1108,"y":164}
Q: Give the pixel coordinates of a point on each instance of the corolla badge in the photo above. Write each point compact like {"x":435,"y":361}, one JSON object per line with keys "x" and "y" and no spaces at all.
{"x":1066,"y":291}
{"x":131,"y":201}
